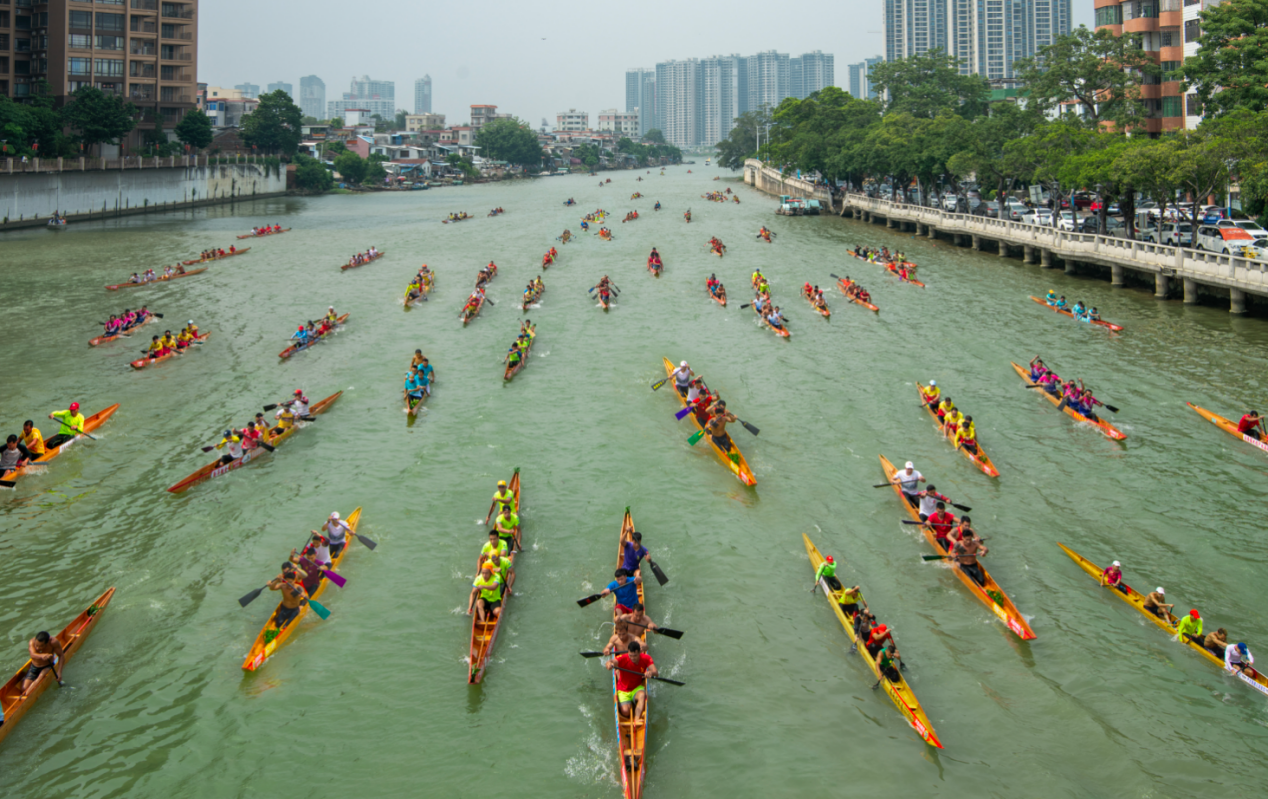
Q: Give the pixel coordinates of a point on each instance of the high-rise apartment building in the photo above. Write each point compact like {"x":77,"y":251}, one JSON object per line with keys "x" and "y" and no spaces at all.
{"x":809,"y":73}
{"x":860,"y":81}
{"x":613,"y":121}
{"x":677,"y":101}
{"x":375,"y":96}
{"x":422,"y":95}
{"x":640,"y":96}
{"x":312,"y":97}
{"x":144,"y":51}
{"x":572,"y":120}
{"x":1167,"y":30}
{"x":285,"y":87}
{"x":914,"y":26}
{"x":250,"y":91}
{"x":718,"y":106}
{"x":765,"y":80}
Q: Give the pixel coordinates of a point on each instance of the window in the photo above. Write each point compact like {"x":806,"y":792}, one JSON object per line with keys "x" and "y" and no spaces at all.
{"x":4,"y":65}
{"x":41,"y":19}
{"x":169,"y":73}
{"x":22,"y":45}
{"x":22,"y":90}
{"x":109,"y":42}
{"x":80,"y":41}
{"x":1192,"y":30}
{"x":109,"y":2}
{"x":112,"y":67}
{"x":80,"y":66}
{"x":81,"y":20}
{"x":23,"y":23}
{"x":169,"y":31}
{"x":73,"y":86}
{"x":1148,"y":10}
{"x":1194,"y":105}
{"x":110,"y":22}
{"x":4,"y":41}
{"x":1172,"y":107}
{"x":1109,"y":15}
{"x":4,"y":19}
{"x":1192,"y":2}
{"x":1169,"y":38}
{"x":21,"y":67}
{"x":1169,"y":67}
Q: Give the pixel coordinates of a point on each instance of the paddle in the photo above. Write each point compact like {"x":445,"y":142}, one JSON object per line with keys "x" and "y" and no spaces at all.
{"x":1105,"y":405}
{"x":660,"y":575}
{"x":656,"y":386}
{"x":57,"y":673}
{"x":370,"y":545}
{"x":317,"y":607}
{"x":695,"y":437}
{"x":631,"y":671}
{"x":749,"y":427}
{"x":82,"y":432}
{"x":658,"y":630}
{"x":581,"y":603}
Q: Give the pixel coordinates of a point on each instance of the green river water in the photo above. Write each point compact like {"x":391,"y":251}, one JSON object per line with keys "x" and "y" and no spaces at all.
{"x":374,"y":701}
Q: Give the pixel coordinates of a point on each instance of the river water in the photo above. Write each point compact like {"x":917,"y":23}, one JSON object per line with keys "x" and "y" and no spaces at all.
{"x":374,"y":701}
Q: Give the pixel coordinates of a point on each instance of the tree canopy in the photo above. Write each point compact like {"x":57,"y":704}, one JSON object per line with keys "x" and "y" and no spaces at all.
{"x":928,"y":84}
{"x":97,"y":117}
{"x":351,"y":167}
{"x":1097,"y":70}
{"x":654,"y":136}
{"x":510,"y":140}
{"x":194,"y":129}
{"x":1230,"y":69}
{"x":274,"y":125}
{"x":312,"y":175}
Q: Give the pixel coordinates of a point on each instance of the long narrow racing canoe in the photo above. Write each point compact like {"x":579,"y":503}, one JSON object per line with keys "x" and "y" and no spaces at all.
{"x":270,"y":637}
{"x":141,"y":363}
{"x":892,"y":269}
{"x":900,"y":692}
{"x":216,"y":257}
{"x":262,"y":235}
{"x":989,"y":594}
{"x":512,"y":371}
{"x":631,"y":733}
{"x":467,"y":317}
{"x":294,"y":348}
{"x":1098,"y":322}
{"x":981,"y":460}
{"x":1136,"y":599}
{"x":1228,"y":426}
{"x":825,"y":312}
{"x":216,"y":468}
{"x":163,"y":279}
{"x":13,"y":704}
{"x":734,"y":459}
{"x":91,"y":423}
{"x":782,"y":332}
{"x":718,"y":296}
{"x":483,"y":635}
{"x":371,"y":259}
{"x":844,"y":284}
{"x":103,"y":339}
{"x":1102,"y":425}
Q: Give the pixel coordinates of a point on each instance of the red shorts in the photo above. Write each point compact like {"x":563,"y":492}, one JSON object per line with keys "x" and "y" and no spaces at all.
{"x":621,"y":610}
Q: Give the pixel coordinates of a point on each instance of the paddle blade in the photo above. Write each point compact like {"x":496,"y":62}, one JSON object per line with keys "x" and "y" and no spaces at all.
{"x":270,"y":407}
{"x":836,"y":276}
{"x":581,"y":603}
{"x":667,"y":631}
{"x":745,"y":305}
{"x":592,"y":654}
{"x":660,"y":575}
{"x":882,"y":485}
{"x":666,"y":679}
{"x":964,"y":508}
{"x":268,"y":447}
{"x":335,"y":577}
{"x":208,"y":449}
{"x":695,"y":437}
{"x":8,"y":483}
{"x":1110,"y":408}
{"x":249,"y":598}
{"x":656,"y":386}
{"x":370,"y":545}
{"x":935,"y":557}
{"x":679,"y":416}
{"x":322,"y":612}
{"x":750,"y":427}
{"x":909,"y":521}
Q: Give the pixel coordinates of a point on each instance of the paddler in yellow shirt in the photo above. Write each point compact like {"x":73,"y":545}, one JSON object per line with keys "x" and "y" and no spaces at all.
{"x":952,"y":419}
{"x":285,"y":420}
{"x":966,"y":435}
{"x":32,"y":443}
{"x":72,"y":424}
{"x":931,"y":394}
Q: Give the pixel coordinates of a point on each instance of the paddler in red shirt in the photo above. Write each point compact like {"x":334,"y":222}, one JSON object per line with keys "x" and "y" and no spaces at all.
{"x":632,"y":670}
{"x":941,"y":522}
{"x":1250,"y":425}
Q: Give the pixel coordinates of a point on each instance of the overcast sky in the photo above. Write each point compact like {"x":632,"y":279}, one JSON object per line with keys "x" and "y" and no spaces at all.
{"x":529,"y":59}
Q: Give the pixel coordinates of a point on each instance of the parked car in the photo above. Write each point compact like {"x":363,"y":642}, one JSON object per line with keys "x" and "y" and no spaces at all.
{"x":1249,"y":225}
{"x":1177,"y":234}
{"x":1082,"y":201}
{"x":1016,"y":210}
{"x":1092,"y":224}
{"x":1224,"y":240}
{"x":949,"y":202}
{"x":1067,"y":221}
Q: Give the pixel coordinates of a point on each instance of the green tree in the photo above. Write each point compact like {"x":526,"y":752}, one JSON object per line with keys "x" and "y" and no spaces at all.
{"x":274,"y":126}
{"x":654,"y":136}
{"x":309,"y":121}
{"x":99,"y":118}
{"x":510,"y":140}
{"x":399,"y":122}
{"x":588,"y":154}
{"x":336,"y":122}
{"x":928,"y":84}
{"x":984,"y":152}
{"x":463,"y":165}
{"x":1230,"y":69}
{"x":374,"y":172}
{"x":351,"y":167}
{"x":1148,"y":166}
{"x":311,"y":175}
{"x":1099,"y":71}
{"x":194,"y":129}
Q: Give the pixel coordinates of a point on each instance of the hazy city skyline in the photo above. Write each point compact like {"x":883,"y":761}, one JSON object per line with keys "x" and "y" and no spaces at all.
{"x":537,"y":69}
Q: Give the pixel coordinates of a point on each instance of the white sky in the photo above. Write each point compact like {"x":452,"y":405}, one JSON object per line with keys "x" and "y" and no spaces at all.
{"x":493,"y":52}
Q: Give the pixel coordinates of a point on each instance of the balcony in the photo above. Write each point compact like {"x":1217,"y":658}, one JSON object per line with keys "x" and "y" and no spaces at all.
{"x":188,"y":37}
{"x":142,"y":50}
{"x":172,"y":95}
{"x":177,"y":57}
{"x":174,"y":13}
{"x":141,"y":93}
{"x":140,"y":70}
{"x":141,"y":25}
{"x":145,"y":5}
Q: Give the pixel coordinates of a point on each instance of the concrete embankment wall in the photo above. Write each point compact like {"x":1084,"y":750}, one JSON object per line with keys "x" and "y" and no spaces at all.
{"x":770,"y":180}
{"x":28,"y":199}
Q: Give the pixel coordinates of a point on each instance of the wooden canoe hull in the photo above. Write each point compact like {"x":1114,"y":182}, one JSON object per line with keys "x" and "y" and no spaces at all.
{"x":1137,"y":600}
{"x":631,"y":734}
{"x":844,"y":284}
{"x":1228,"y":426}
{"x":1105,"y":427}
{"x":824,"y":311}
{"x":141,"y":363}
{"x":14,"y":704}
{"x":265,"y":645}
{"x":512,"y":371}
{"x":981,"y":460}
{"x":99,"y":340}
{"x":294,"y":348}
{"x":738,"y":467}
{"x":216,"y":258}
{"x":262,"y":235}
{"x":781,"y":332}
{"x":215,"y":469}
{"x":900,"y":692}
{"x":894,"y":270}
{"x":1100,"y":322}
{"x":990,"y":594}
{"x":483,"y":636}
{"x":369,"y":260}
{"x":91,"y":423}
{"x":163,"y":279}
{"x":467,"y":317}
{"x":720,"y":297}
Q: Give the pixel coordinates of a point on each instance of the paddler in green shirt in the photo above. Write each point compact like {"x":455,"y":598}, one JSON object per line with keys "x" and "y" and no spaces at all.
{"x":888,"y":661}
{"x":72,"y":424}
{"x":508,"y":528}
{"x":1190,"y":627}
{"x":827,"y":571}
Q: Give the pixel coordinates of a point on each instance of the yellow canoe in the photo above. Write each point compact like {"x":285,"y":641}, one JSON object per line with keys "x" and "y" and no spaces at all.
{"x":739,"y":466}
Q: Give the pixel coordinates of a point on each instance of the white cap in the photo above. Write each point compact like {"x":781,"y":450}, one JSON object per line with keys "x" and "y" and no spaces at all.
{"x":335,"y":515}
{"x":1160,"y":590}
{"x":933,"y":383}
{"x":1116,"y":563}
{"x":684,"y":363}
{"x":910,"y":465}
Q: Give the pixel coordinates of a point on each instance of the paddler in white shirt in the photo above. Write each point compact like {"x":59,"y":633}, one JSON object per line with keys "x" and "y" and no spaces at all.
{"x":337,"y":533}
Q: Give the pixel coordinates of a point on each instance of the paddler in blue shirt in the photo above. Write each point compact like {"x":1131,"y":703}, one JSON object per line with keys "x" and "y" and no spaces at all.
{"x":1051,"y":297}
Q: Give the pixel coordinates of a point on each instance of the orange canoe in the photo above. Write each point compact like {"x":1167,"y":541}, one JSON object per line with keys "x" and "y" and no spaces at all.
{"x":980,"y":460}
{"x":162,"y":279}
{"x":1105,"y":427}
{"x":1228,"y":426}
{"x":844,"y":284}
{"x":141,"y":363}
{"x":483,"y":635}
{"x":91,"y":423}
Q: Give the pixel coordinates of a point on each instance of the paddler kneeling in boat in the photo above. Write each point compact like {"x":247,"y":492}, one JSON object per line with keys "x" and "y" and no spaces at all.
{"x":1154,"y":604}
{"x":624,"y":589}
{"x":718,"y":418}
{"x":32,"y":442}
{"x":486,"y":593}
{"x":682,"y":377}
{"x":507,"y":526}
{"x":622,"y":635}
{"x":45,"y":650}
{"x":1051,"y":297}
{"x":1250,"y":425}
{"x":967,"y":550}
{"x":235,"y":447}
{"x":1190,"y":627}
{"x":909,"y":480}
{"x":931,"y":394}
{"x":11,"y":457}
{"x":966,"y":436}
{"x":293,"y":595}
{"x":157,"y":348}
{"x":1113,"y":577}
{"x":285,"y":420}
{"x":632,"y":670}
{"x":827,"y":572}
{"x":888,"y":661}
{"x":1217,"y":642}
{"x":1238,"y":658}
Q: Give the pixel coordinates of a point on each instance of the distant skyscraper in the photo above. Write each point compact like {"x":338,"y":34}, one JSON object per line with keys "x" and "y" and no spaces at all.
{"x":915,"y":26}
{"x":860,"y":84}
{"x":677,"y":101}
{"x":716,"y":98}
{"x":640,"y":95}
{"x":767,"y":79}
{"x":375,"y":96}
{"x":987,"y":36}
{"x":249,"y":90}
{"x":809,"y":73}
{"x":286,"y":87}
{"x":422,"y":95}
{"x":312,"y":97}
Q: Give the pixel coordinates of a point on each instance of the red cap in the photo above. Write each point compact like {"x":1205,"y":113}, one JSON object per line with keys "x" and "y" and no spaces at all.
{"x":829,"y":559}
{"x":1194,"y":614}
{"x":74,"y":406}
{"x":881,"y":628}
{"x":299,"y":391}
